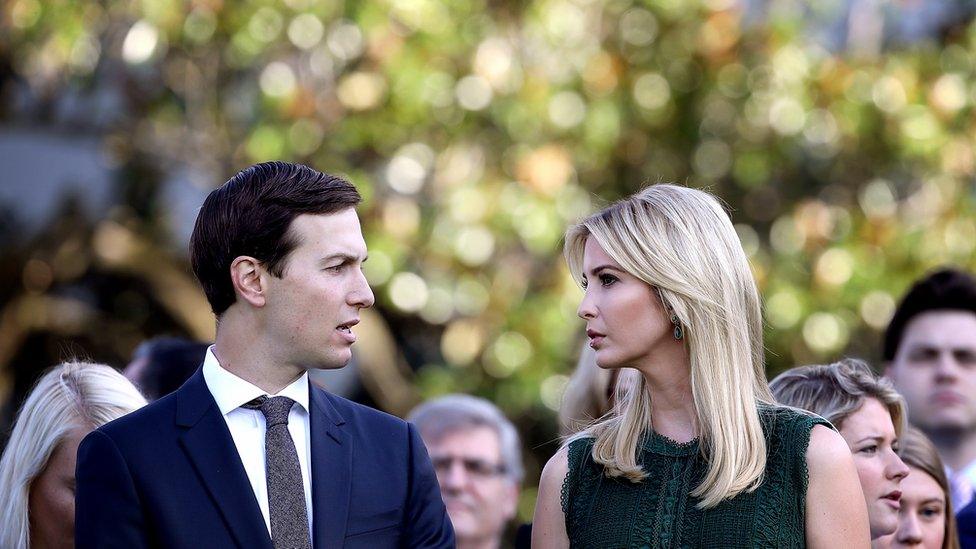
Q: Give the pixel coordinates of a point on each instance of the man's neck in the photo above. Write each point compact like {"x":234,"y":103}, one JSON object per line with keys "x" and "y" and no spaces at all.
{"x":957,"y":449}
{"x":479,"y":543}
{"x":246,"y":355}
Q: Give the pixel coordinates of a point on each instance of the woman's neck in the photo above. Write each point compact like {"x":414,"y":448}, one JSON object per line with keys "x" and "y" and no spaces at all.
{"x":668,"y":381}
{"x":673,"y":412}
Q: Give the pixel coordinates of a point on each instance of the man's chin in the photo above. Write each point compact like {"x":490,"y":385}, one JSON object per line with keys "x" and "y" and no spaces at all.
{"x":461,"y":510}
{"x":465,"y":524}
{"x":947,"y":425}
{"x":329,"y":363}
{"x":330,"y":366}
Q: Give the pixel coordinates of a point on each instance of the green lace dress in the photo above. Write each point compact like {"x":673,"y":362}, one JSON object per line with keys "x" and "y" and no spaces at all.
{"x":659,"y":512}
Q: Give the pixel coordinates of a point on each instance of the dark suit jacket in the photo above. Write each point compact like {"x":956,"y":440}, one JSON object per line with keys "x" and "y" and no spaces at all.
{"x":966,"y":524}
{"x":169,"y":475}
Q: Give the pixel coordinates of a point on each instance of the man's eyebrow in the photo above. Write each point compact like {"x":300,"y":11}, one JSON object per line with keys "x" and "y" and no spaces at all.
{"x":924,"y":346}
{"x":346,"y":258}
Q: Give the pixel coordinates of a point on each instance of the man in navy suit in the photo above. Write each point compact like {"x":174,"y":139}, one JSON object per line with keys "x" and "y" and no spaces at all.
{"x":966,"y":523}
{"x":247,"y":453}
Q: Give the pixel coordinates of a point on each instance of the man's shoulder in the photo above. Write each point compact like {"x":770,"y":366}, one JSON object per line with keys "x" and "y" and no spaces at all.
{"x":966,"y":525}
{"x":351,"y":411}
{"x":969,"y":511}
{"x":144,"y":423}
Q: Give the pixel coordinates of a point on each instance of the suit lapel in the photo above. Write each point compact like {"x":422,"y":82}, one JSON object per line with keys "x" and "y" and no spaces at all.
{"x":211,"y":449}
{"x":331,"y":471}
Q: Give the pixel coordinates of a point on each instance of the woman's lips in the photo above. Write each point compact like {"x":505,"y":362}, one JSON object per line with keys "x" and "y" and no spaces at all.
{"x":596,"y":338}
{"x":893,"y":499}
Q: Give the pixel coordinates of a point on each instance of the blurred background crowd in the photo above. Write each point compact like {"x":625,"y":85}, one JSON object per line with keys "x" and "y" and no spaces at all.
{"x":840,"y":133}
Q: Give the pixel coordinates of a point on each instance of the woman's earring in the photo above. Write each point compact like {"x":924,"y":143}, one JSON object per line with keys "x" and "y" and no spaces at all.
{"x":678,"y":332}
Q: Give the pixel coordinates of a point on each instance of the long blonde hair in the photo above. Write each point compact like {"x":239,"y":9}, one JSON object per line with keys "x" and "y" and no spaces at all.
{"x":69,"y":395}
{"x":681,"y":242}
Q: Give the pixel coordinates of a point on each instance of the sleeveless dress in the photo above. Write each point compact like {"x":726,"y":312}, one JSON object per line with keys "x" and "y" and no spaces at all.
{"x":659,"y":512}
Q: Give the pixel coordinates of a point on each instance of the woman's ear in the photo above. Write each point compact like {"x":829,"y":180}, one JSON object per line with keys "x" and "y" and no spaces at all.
{"x":246,"y":276}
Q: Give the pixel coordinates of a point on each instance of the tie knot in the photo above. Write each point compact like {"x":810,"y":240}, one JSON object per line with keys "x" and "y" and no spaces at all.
{"x":275,"y":409}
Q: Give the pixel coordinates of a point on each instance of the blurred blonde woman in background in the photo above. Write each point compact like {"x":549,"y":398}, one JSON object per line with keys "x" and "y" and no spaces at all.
{"x":925,"y":518}
{"x":694,"y":451}
{"x":37,"y":471}
{"x":588,"y":395}
{"x":591,"y":392}
{"x":870,"y":415}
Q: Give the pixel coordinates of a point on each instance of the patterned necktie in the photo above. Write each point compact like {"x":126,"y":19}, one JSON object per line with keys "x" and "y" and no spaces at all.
{"x":286,"y":493}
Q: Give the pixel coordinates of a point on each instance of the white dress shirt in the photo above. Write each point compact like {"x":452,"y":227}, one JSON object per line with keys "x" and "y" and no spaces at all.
{"x":961,"y":486}
{"x":247,"y":427}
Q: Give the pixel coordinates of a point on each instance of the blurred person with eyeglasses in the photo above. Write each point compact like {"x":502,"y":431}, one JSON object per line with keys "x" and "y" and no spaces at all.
{"x":476,"y":453}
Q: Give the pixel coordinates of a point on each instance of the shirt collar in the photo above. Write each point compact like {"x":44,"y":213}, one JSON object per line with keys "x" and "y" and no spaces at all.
{"x":969,"y":472}
{"x":230,"y":391}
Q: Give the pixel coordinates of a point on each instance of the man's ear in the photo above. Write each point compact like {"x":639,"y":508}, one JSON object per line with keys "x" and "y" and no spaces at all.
{"x":246,"y":276}
{"x":888,"y":371}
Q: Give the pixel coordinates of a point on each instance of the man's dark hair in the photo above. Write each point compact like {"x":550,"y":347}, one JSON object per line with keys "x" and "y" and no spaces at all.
{"x":251,"y":214}
{"x":943,"y":290}
{"x":169,"y":362}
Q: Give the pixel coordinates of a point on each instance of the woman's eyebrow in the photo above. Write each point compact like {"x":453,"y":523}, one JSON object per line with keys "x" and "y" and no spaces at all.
{"x":873,"y":438}
{"x":599,"y":268}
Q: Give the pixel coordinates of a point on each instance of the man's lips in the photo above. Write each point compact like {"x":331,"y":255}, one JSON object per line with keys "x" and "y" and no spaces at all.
{"x":947,"y":397}
{"x":345,"y":330}
{"x":457,"y":504}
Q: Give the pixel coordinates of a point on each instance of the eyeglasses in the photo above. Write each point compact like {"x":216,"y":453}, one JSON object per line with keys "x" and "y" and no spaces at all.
{"x":472,"y":466}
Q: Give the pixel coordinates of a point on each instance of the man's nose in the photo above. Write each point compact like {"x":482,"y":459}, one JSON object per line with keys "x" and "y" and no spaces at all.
{"x":455,"y":476}
{"x":362,"y":294}
{"x":947,"y":369}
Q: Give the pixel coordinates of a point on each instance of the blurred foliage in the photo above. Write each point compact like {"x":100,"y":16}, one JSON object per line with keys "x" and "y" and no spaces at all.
{"x":477,"y":131}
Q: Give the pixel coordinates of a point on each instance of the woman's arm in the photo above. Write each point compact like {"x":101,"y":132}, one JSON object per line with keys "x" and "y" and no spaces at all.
{"x":837,"y":515}
{"x":549,"y":522}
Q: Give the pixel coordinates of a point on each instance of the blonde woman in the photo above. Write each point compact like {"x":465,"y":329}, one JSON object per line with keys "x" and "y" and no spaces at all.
{"x":870,"y":416}
{"x":925,"y":517}
{"x":694,"y":452}
{"x":37,"y":471}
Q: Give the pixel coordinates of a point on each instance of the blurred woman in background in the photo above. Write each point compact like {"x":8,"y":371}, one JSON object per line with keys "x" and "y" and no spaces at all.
{"x":694,"y":451}
{"x":37,"y":471}
{"x":870,"y":416}
{"x":589,"y":395}
{"x":925,"y":518}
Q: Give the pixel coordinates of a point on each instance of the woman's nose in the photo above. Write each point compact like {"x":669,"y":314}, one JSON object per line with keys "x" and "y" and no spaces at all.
{"x":909,"y":531}
{"x":896,"y":468}
{"x":586,"y":309}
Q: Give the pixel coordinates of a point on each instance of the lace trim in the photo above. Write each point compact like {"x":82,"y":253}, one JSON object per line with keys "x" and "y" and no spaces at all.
{"x":659,"y":444}
{"x":576,"y":457}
